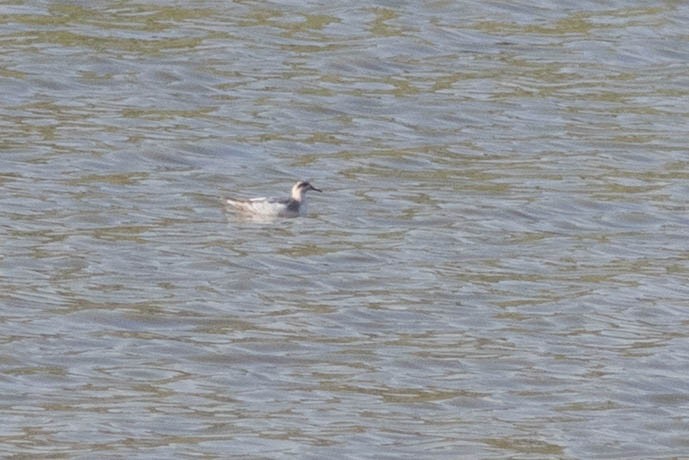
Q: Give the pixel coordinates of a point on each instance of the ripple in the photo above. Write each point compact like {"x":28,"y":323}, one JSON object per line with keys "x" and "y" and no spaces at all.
{"x":497,"y":266}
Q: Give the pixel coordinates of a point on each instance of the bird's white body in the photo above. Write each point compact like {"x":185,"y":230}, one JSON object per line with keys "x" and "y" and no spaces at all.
{"x":293,"y":206}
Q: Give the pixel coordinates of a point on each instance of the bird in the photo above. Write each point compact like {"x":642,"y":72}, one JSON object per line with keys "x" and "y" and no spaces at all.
{"x":293,"y":206}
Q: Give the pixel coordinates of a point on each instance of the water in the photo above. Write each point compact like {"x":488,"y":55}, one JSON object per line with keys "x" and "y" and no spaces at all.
{"x":497,"y":267}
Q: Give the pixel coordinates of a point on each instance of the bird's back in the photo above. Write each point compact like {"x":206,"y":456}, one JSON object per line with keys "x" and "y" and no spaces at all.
{"x":284,"y":207}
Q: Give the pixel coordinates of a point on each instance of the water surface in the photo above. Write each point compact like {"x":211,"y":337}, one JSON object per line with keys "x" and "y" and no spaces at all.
{"x":497,"y":267}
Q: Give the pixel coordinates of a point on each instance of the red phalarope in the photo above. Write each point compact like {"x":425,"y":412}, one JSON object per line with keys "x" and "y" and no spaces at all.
{"x":293,"y":206}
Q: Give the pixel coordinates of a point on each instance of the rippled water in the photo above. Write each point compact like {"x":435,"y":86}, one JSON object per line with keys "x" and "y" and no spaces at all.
{"x":497,"y":268}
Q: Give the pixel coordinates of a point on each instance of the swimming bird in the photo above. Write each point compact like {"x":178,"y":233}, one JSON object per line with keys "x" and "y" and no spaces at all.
{"x":293,"y":206}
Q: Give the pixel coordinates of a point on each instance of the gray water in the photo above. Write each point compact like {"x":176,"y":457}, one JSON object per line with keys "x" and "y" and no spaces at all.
{"x":498,"y":266}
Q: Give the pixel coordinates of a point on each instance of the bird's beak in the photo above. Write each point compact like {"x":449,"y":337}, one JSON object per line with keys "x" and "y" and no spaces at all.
{"x":316,"y":189}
